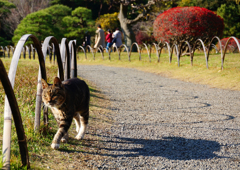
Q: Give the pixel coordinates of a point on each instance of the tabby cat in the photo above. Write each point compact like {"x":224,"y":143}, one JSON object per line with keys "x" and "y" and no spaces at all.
{"x":68,"y":99}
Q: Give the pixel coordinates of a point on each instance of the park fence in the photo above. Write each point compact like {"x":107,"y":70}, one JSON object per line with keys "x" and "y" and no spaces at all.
{"x":65,"y":54}
{"x":66,"y":60}
{"x":150,"y":49}
{"x":177,"y":48}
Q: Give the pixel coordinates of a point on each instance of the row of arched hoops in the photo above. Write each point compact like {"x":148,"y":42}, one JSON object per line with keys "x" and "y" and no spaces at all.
{"x":149,"y":48}
{"x":160,"y":46}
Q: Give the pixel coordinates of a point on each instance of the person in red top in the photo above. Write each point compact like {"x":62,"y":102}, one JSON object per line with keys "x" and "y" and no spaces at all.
{"x":109,"y":39}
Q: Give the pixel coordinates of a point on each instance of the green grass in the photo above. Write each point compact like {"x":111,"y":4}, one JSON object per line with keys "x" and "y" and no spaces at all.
{"x":228,"y":78}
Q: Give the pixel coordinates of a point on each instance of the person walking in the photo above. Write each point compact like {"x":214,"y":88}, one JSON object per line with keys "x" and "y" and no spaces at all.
{"x":87,"y":40}
{"x":109,"y":39}
{"x":117,"y":38}
{"x":99,"y":38}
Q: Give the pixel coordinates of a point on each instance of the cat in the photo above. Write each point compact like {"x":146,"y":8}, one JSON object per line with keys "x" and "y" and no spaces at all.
{"x":67,"y":100}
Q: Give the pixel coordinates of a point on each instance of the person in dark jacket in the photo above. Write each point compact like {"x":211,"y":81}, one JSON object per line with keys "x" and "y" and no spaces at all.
{"x":87,"y":40}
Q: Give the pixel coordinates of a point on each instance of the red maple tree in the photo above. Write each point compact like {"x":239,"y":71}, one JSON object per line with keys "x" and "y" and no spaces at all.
{"x":180,"y":24}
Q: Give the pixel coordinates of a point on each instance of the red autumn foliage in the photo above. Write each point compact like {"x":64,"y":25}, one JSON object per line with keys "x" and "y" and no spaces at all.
{"x":181,"y":24}
{"x":232,"y":45}
{"x":143,"y":37}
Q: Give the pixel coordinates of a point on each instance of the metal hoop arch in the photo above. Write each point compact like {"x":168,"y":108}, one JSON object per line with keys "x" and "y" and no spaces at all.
{"x":157,"y":51}
{"x":101,"y":51}
{"x":115,"y":47}
{"x":126,"y":48}
{"x":139,"y":50}
{"x":16,"y":117}
{"x":11,"y":75}
{"x":204,"y":50}
{"x":72,"y":48}
{"x":220,"y":44}
{"x":7,"y":49}
{"x":169,"y":50}
{"x":147,"y":51}
{"x":33,"y":51}
{"x":225,"y":48}
{"x":12,"y":49}
{"x":81,"y":47}
{"x":178,"y":53}
{"x":29,"y":52}
{"x":190,"y":51}
{"x":91,"y":49}
{"x":66,"y":65}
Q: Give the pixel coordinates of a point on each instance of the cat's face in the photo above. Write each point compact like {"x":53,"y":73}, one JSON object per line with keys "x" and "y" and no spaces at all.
{"x":53,"y":95}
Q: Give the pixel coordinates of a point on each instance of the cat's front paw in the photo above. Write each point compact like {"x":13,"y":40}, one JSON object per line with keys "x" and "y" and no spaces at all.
{"x":79,"y":137}
{"x":55,"y":146}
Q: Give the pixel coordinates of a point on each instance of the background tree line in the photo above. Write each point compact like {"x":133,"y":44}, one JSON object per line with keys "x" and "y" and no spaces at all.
{"x":72,"y":18}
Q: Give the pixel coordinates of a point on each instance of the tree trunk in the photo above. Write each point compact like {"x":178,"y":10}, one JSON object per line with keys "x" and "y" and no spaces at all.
{"x":129,"y":36}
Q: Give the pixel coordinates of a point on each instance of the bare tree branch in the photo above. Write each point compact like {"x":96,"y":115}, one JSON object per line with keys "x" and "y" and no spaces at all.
{"x":144,"y":7}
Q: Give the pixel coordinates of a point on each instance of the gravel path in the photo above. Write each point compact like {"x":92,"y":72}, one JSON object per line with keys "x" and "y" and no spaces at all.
{"x":162,"y":123}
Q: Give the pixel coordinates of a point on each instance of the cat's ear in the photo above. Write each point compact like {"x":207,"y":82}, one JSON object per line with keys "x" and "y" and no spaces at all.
{"x":44,"y":84}
{"x":57,"y":82}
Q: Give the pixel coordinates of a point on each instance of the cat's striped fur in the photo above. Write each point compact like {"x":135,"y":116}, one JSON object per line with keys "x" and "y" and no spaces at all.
{"x":68,"y":100}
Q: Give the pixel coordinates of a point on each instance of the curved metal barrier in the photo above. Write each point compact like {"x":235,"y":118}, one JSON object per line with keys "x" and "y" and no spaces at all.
{"x":17,"y":121}
{"x":149,"y":56}
{"x":175,"y":46}
{"x":12,"y":73}
{"x":139,"y":50}
{"x":92,"y":51}
{"x":12,"y":48}
{"x":126,"y":48}
{"x":159,"y":47}
{"x":115,"y":48}
{"x":65,"y":54}
{"x":158,"y":50}
{"x":33,"y":51}
{"x":82,"y":48}
{"x":99,"y":49}
{"x":220,"y":45}
{"x":73,"y":58}
{"x":204,"y":49}
{"x":225,"y":48}
{"x":8,"y":52}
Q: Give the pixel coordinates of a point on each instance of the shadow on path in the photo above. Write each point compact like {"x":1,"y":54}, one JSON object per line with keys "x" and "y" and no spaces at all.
{"x":174,"y":148}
